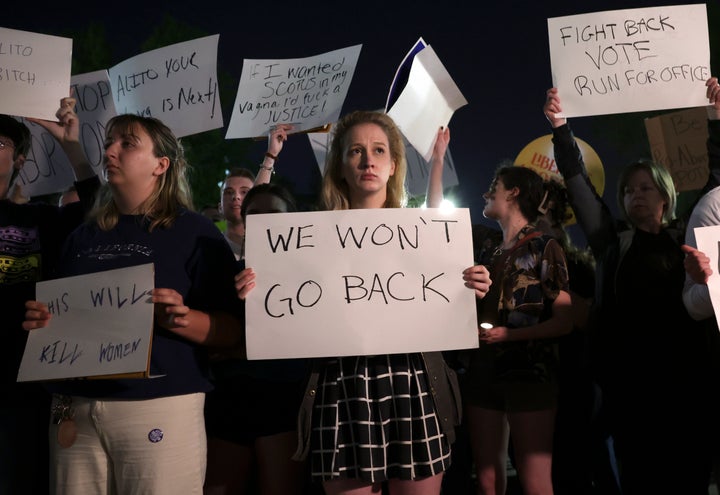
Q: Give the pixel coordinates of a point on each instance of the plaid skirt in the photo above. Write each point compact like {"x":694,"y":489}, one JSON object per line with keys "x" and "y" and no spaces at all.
{"x":374,"y":419}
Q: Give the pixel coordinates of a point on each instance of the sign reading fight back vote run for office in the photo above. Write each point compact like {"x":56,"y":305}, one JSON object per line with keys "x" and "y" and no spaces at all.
{"x":359,"y":282}
{"x":630,"y":60}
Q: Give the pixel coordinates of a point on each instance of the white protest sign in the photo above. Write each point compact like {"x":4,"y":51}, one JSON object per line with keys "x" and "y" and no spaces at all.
{"x":630,"y":60}
{"x":306,"y":92}
{"x":708,"y":241}
{"x":176,"y":84}
{"x":427,"y":102}
{"x":47,"y":169}
{"x":101,"y":325}
{"x":94,"y":107}
{"x":34,"y":73}
{"x":359,"y":282}
{"x":417,"y":168}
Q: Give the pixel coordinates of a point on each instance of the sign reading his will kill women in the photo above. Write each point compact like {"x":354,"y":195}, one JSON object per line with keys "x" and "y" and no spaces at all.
{"x":359,"y":282}
{"x":101,"y":326}
{"x":176,"y":84}
{"x":306,"y":92}
{"x":630,"y":60}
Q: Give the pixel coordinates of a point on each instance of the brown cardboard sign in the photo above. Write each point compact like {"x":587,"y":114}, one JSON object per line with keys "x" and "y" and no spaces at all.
{"x":678,"y":140}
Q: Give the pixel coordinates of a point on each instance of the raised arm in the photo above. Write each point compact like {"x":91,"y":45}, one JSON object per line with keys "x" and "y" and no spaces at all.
{"x":276,"y":139}
{"x":591,"y":212}
{"x":67,"y":133}
{"x":434,"y":195}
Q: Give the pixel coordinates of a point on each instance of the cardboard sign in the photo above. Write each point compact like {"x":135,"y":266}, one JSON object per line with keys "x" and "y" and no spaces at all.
{"x":678,"y":141}
{"x":101,"y":327}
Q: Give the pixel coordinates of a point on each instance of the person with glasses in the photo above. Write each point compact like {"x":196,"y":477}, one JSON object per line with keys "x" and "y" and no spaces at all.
{"x":30,"y":237}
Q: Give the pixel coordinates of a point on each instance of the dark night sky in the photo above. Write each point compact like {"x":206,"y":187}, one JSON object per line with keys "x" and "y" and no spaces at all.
{"x":496,"y":52}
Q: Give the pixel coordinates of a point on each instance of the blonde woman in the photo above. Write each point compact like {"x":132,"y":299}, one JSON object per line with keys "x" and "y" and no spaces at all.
{"x":369,"y":420}
{"x":145,"y":435}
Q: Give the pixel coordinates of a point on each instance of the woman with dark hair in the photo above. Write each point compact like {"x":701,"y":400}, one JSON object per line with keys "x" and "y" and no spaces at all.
{"x":511,"y":384}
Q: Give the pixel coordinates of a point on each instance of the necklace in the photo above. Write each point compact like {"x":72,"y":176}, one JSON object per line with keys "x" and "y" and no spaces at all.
{"x":522,"y":233}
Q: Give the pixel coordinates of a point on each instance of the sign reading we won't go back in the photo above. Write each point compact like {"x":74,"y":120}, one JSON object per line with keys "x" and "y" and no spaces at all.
{"x":359,"y":282}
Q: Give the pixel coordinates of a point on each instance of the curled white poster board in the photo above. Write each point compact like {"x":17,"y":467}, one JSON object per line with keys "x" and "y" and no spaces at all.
{"x":427,"y":102}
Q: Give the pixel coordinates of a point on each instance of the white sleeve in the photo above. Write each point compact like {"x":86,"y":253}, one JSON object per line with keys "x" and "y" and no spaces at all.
{"x":696,"y":297}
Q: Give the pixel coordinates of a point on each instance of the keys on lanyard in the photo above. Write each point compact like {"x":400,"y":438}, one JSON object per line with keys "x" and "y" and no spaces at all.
{"x":63,"y":415}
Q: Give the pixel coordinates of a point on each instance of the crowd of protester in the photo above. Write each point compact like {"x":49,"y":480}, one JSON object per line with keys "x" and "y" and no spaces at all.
{"x":595,"y":370}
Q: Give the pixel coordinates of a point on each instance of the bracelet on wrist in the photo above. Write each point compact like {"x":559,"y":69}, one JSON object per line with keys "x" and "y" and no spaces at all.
{"x":270,"y":155}
{"x":270,"y":169}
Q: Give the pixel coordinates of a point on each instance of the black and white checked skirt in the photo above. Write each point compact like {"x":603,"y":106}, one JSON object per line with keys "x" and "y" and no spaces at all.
{"x":374,"y":419}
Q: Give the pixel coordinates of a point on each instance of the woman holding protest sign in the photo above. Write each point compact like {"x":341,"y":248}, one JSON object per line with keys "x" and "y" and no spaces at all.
{"x":145,"y":435}
{"x":649,"y":357}
{"x":252,"y":442}
{"x":370,"y":420}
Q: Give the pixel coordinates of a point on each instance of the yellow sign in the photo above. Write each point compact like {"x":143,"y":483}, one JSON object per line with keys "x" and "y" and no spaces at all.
{"x":540,"y":156}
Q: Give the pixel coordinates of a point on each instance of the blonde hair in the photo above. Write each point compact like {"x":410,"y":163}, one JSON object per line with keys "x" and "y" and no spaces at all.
{"x":662,"y":180}
{"x":334,"y":193}
{"x":172,"y":190}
